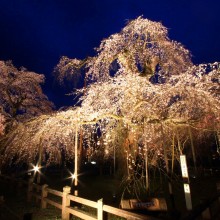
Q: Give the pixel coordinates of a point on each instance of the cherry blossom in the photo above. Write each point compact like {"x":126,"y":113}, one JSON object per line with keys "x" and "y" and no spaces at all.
{"x":21,"y":95}
{"x":145,"y":99}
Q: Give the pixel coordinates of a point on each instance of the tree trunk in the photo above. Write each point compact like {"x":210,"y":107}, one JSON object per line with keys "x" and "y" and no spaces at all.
{"x":193,"y":149}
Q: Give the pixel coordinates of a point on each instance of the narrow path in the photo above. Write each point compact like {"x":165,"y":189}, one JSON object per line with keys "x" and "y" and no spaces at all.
{"x":7,"y":214}
{"x":16,"y":207}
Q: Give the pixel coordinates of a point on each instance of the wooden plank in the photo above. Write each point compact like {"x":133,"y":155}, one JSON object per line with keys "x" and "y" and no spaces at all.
{"x":126,"y":214}
{"x":54,"y":192}
{"x":83,"y":201}
{"x":81,"y":214}
{"x":51,"y":202}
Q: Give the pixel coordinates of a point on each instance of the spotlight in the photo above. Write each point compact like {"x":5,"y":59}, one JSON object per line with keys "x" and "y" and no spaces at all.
{"x":73,"y":176}
{"x":36,"y":168}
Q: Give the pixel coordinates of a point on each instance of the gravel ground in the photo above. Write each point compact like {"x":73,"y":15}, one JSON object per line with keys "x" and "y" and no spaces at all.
{"x":16,"y":207}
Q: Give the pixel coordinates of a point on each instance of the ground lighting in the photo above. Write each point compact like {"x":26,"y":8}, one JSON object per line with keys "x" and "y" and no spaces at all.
{"x":36,"y":168}
{"x":73,"y":176}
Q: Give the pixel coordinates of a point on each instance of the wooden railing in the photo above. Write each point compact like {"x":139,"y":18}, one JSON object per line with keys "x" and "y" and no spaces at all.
{"x":208,"y":209}
{"x":46,"y":195}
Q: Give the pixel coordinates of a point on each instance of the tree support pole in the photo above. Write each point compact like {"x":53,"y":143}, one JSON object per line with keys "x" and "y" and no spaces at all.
{"x":76,"y":163}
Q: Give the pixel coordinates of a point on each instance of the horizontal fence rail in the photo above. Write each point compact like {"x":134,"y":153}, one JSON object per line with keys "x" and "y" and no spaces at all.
{"x":42,"y":193}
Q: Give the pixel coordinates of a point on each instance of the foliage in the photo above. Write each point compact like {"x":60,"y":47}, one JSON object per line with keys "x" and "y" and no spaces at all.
{"x":146,"y":99}
{"x":52,"y":136}
{"x":21,"y":95}
{"x":69,"y":72}
{"x":141,"y":48}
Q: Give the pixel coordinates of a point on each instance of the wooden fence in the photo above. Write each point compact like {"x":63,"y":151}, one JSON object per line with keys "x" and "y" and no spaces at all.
{"x":73,"y":205}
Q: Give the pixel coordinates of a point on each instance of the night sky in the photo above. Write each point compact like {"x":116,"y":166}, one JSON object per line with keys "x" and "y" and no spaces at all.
{"x":36,"y":33}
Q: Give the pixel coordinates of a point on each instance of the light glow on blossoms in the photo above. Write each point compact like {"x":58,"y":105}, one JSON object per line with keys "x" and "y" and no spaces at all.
{"x":145,"y":105}
{"x":53,"y":133}
{"x":21,"y":95}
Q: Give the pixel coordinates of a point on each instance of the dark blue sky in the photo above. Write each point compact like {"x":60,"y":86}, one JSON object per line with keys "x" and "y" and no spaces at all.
{"x":36,"y":33}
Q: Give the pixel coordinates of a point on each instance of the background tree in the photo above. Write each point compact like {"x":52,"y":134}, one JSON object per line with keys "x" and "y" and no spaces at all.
{"x":21,"y":95}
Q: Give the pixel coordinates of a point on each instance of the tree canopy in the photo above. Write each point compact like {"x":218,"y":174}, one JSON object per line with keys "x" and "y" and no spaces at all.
{"x":50,"y":135}
{"x":144,"y":96}
{"x":21,"y":95}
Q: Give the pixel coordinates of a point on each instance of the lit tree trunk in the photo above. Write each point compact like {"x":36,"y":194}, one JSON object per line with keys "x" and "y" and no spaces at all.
{"x":146,"y":167}
{"x":127,"y":154}
{"x":217,"y":136}
{"x":146,"y":159}
{"x":80,"y":150}
{"x":168,"y":170}
{"x":114,"y":160}
{"x":39,"y":162}
{"x":173,"y":152}
{"x":193,"y":149}
{"x":76,"y":163}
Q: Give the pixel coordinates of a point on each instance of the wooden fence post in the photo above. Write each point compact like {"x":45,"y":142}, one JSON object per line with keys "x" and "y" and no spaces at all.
{"x":65,"y":203}
{"x":100,"y":209}
{"x":44,"y":195}
{"x":30,"y":188}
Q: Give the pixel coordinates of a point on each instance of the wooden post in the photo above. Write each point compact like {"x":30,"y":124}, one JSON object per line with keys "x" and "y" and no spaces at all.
{"x":44,"y":195}
{"x":30,"y":189}
{"x":65,"y":202}
{"x":100,"y":209}
{"x":76,"y":163}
